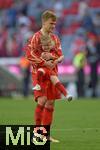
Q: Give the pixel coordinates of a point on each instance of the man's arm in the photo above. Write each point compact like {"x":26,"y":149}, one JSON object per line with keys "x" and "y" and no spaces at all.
{"x":31,"y":51}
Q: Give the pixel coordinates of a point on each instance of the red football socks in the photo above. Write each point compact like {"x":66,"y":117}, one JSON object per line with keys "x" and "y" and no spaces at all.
{"x":40,"y":76}
{"x":47,"y":116}
{"x":43,"y":115}
{"x":61,"y":88}
{"x":38,"y":114}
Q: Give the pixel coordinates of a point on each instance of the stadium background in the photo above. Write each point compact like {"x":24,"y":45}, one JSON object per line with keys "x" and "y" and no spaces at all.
{"x":78,"y":24}
{"x":77,"y":124}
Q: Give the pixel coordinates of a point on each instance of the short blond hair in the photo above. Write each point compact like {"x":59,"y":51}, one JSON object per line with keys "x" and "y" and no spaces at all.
{"x":48,"y":14}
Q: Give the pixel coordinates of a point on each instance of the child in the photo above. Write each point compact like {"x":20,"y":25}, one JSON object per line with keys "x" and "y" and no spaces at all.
{"x":50,"y":73}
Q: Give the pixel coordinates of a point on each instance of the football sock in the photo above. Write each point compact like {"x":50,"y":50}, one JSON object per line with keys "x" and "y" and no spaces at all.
{"x":40,"y":76}
{"x":47,"y":116}
{"x":61,"y":88}
{"x":38,"y":114}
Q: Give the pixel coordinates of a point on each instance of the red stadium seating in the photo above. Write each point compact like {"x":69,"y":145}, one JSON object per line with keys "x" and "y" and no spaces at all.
{"x":70,"y":30}
{"x":5,"y":4}
{"x":74,"y":8}
{"x":94,"y":3}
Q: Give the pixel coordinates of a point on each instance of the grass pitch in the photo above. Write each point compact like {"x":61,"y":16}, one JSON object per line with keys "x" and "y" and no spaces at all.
{"x":76,"y":124}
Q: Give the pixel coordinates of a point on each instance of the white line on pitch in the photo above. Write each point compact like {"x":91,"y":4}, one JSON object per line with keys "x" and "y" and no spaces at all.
{"x":71,"y":129}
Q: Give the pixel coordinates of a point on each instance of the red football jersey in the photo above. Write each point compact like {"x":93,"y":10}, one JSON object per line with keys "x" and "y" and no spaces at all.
{"x":34,"y":49}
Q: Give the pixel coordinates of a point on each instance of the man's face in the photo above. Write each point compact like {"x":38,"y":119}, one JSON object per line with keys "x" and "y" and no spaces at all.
{"x":49,"y":25}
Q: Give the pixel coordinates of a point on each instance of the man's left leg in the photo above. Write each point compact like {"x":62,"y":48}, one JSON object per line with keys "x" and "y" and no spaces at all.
{"x":48,"y":116}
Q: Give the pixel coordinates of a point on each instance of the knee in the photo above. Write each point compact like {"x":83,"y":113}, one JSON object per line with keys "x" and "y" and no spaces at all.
{"x":49,"y":104}
{"x":41,"y":71}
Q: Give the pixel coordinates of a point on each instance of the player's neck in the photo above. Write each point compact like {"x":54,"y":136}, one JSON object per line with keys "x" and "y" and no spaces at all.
{"x":44,"y":32}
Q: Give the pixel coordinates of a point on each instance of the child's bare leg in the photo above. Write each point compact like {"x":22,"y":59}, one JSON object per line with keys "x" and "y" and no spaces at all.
{"x":54,"y":79}
{"x":60,"y":87}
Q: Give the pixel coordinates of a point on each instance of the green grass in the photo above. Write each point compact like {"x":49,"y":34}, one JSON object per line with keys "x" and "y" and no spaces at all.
{"x":76,"y":124}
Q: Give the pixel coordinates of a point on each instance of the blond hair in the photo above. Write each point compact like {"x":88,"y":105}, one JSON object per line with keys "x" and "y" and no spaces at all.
{"x":47,"y":15}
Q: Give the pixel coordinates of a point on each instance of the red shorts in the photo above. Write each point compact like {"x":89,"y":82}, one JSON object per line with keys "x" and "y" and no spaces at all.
{"x":47,"y":89}
{"x":48,"y":71}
